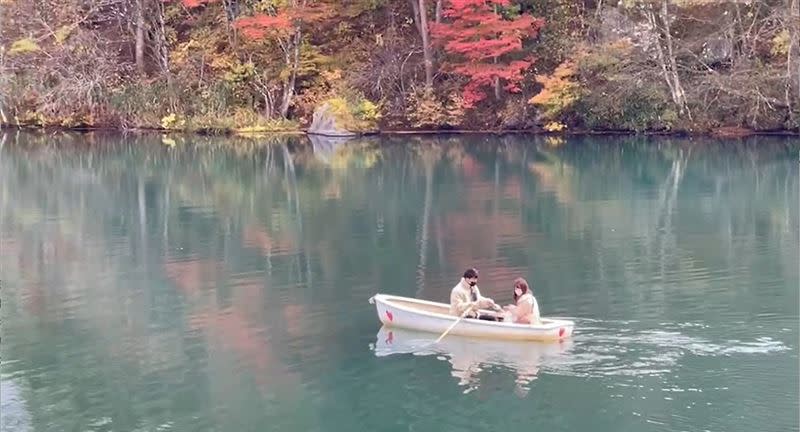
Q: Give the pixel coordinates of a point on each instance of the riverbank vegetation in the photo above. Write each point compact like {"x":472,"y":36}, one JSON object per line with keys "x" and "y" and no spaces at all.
{"x":267,"y":65}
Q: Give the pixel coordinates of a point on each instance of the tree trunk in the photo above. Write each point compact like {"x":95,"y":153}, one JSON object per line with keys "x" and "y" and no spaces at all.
{"x":231,"y":13}
{"x":161,"y":49}
{"x":796,"y":44}
{"x":680,"y":94}
{"x":269,"y":100}
{"x":792,"y":61}
{"x":497,"y":94}
{"x":666,"y":56}
{"x":415,"y":11}
{"x":140,"y":30}
{"x":292,"y":57}
{"x":421,"y":20}
{"x":231,"y":10}
{"x":438,"y":11}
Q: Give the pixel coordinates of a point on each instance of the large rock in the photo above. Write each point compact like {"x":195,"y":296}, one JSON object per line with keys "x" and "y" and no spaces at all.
{"x":717,"y":51}
{"x":616,"y":25}
{"x":325,"y":122}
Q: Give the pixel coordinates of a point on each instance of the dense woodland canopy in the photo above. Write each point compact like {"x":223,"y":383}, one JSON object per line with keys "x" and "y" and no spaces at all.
{"x":655,"y":65}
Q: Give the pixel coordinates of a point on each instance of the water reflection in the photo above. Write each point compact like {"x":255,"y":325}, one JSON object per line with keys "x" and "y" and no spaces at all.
{"x":221,"y":283}
{"x":470,"y":356}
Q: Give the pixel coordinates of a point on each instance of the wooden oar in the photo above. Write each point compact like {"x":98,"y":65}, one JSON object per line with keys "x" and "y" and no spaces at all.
{"x":453,"y":325}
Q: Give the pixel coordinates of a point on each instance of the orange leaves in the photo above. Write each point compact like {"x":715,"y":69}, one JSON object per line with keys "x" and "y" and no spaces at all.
{"x":196,"y":3}
{"x":556,"y":83}
{"x":559,"y":91}
{"x":259,"y":26}
{"x":284,"y":20}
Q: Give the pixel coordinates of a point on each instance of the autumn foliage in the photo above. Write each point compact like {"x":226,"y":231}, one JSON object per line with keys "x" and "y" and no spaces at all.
{"x":196,"y":3}
{"x":284,"y":19}
{"x":559,"y":92}
{"x":221,"y":65}
{"x":483,"y":44}
{"x":261,"y":25}
{"x":281,"y":21}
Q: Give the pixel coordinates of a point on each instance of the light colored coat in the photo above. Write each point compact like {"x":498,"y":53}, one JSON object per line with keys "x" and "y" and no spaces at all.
{"x":461,"y":299}
{"x":527,"y":310}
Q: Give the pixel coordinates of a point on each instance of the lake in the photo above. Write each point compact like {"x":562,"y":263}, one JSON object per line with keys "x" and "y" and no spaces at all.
{"x":185,"y":283}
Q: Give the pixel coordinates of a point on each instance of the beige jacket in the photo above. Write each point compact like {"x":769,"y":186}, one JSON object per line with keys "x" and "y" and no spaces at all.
{"x":461,"y":299}
{"x":527,"y":310}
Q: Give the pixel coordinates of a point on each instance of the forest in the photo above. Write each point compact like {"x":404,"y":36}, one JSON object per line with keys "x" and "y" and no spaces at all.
{"x":212,"y":66}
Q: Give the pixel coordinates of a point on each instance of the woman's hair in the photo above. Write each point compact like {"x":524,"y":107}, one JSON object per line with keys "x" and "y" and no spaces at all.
{"x":521,"y":284}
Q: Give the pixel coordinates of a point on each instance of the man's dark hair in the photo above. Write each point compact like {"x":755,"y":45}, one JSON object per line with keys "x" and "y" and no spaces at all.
{"x":471,"y":273}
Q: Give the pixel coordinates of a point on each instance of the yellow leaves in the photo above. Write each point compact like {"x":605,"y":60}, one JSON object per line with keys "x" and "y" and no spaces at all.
{"x":559,"y":91}
{"x":24,"y":46}
{"x":173,"y":121}
{"x":63,"y":33}
{"x":76,"y":119}
{"x":354,"y":113}
{"x":558,"y":84}
{"x":239,"y":72}
{"x":33,"y":118}
{"x":180,"y":54}
{"x":338,"y":105}
{"x":780,"y":44}
{"x":221,"y":62}
{"x":366,"y":110}
{"x":555,"y":127}
{"x":30,"y":45}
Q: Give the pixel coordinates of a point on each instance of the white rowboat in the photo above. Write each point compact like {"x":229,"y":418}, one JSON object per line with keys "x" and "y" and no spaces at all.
{"x":422,"y":315}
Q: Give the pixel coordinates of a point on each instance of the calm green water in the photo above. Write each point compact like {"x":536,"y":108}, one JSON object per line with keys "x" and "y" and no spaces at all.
{"x":223,"y":285}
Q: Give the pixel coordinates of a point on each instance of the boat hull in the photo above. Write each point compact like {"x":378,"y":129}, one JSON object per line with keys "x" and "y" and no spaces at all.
{"x":432,"y":317}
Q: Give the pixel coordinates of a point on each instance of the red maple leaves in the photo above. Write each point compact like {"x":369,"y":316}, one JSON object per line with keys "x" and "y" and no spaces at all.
{"x":479,"y":36}
{"x":284,"y":19}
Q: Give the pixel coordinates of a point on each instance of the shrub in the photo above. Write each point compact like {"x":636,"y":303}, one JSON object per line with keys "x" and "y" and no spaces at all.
{"x":353,"y":112}
{"x":425,"y":110}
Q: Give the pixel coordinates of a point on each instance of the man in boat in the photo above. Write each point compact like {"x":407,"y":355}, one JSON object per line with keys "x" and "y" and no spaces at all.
{"x":466,"y":296}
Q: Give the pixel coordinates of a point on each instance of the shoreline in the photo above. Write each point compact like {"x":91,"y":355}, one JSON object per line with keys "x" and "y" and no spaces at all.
{"x":724,"y":132}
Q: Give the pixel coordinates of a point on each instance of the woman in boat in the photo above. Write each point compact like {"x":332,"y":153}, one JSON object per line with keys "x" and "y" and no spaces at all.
{"x":466,"y":295}
{"x":526,"y":309}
